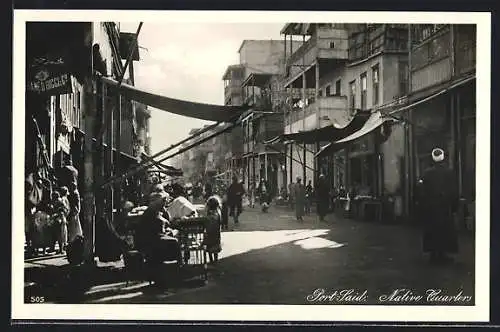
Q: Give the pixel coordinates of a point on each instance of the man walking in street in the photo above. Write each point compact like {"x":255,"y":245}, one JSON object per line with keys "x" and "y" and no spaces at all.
{"x":309,"y":197}
{"x":300,"y":199}
{"x":235,"y":194}
{"x":438,"y":199}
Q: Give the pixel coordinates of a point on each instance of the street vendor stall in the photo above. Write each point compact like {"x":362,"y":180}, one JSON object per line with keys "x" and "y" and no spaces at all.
{"x":178,"y":243}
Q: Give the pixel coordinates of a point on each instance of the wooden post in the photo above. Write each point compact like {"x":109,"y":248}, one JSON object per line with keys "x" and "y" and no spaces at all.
{"x":118,"y":148}
{"x":89,"y":208}
{"x":318,"y":124}
{"x":265,"y":166}
{"x":409,"y":156}
{"x":110,"y":191}
{"x":284,"y":49}
{"x":304,"y":98}
{"x":460,"y":144}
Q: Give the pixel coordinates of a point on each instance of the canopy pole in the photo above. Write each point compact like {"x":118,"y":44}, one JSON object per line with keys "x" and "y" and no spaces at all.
{"x":198,"y":142}
{"x":130,"y":54}
{"x":143,"y":163}
{"x":147,"y":164}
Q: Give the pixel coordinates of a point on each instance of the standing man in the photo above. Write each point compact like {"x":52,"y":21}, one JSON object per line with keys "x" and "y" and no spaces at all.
{"x":300,"y":199}
{"x":438,"y":199}
{"x":209,"y":190}
{"x":309,"y":196}
{"x":323,"y":197}
{"x":235,"y":194}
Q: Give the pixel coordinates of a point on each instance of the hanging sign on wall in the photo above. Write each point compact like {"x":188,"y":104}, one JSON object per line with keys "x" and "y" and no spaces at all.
{"x":49,"y":78}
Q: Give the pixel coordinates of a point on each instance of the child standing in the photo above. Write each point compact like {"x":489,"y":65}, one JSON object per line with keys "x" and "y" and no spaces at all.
{"x":212,"y":235}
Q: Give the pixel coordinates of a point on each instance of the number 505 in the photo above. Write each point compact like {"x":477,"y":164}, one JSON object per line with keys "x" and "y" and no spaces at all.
{"x":37,"y":299}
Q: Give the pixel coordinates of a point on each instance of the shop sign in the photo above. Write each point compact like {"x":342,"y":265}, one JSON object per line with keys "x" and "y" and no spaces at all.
{"x":50,"y":79}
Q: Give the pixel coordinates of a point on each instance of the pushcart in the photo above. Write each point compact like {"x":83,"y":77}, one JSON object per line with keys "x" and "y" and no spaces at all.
{"x":192,"y":264}
{"x":191,"y":236}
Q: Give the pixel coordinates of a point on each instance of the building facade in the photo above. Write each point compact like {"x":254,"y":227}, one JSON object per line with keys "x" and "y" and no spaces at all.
{"x":255,"y":82}
{"x":400,"y":73}
{"x":64,"y":95}
{"x":443,"y":90}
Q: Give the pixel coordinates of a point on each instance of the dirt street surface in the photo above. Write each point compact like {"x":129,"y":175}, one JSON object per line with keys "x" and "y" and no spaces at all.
{"x":270,"y":258}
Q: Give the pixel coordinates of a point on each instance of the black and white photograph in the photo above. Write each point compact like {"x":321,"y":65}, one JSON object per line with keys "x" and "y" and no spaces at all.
{"x":268,"y":166}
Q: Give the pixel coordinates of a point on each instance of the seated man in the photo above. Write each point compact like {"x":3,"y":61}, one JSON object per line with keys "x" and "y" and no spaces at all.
{"x":154,"y":237}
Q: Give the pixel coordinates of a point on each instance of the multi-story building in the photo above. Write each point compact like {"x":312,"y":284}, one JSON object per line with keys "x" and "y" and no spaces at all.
{"x":413,"y":99}
{"x":263,"y":122}
{"x":249,"y":82}
{"x":324,"y":47}
{"x":343,"y":70}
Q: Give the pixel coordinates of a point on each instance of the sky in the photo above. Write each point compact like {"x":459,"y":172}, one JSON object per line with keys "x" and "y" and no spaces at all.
{"x":186,"y":61}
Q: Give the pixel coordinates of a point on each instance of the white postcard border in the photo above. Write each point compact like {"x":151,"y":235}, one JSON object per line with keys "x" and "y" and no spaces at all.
{"x":379,"y":313}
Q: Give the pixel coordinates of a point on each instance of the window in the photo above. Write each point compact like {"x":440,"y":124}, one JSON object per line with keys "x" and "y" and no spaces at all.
{"x":376,"y":85}
{"x":328,"y":91}
{"x":332,"y":44}
{"x":352,"y":95}
{"x":338,"y":91}
{"x":363,"y":90}
{"x":320,"y":93}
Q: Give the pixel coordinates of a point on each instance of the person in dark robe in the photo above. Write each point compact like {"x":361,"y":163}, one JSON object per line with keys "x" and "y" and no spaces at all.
{"x":154,"y":237}
{"x":300,"y":199}
{"x":209,"y":190}
{"x":224,"y":213}
{"x":323,"y":197}
{"x":235,"y":194}
{"x":438,"y":203}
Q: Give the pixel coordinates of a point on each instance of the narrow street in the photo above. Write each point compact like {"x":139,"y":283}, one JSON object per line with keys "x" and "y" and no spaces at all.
{"x":270,"y":258}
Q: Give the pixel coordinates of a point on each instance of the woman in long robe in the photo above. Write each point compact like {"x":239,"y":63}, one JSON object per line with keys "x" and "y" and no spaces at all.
{"x":300,"y":199}
{"x":74,"y":225}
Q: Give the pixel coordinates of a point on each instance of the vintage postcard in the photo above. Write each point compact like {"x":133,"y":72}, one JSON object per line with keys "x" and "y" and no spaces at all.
{"x":251,"y":166}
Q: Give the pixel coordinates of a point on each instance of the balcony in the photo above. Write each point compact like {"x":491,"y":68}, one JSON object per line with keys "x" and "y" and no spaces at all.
{"x":259,"y":102}
{"x":233,"y":89}
{"x":431,"y":60}
{"x":325,"y":44}
{"x":331,"y":110}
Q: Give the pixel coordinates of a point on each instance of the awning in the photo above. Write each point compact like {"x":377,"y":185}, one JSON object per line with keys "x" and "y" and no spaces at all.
{"x":328,"y":133}
{"x":375,"y":120}
{"x":208,"y":112}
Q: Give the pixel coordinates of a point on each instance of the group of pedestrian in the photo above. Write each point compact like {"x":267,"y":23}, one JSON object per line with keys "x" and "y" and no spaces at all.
{"x":55,"y":219}
{"x":65,"y":211}
{"x":436,"y":198}
{"x":302,"y":197}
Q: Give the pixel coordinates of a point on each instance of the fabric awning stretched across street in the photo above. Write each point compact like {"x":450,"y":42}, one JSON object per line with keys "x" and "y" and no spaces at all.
{"x":374,"y":121}
{"x":208,"y":112}
{"x":325,"y":134}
